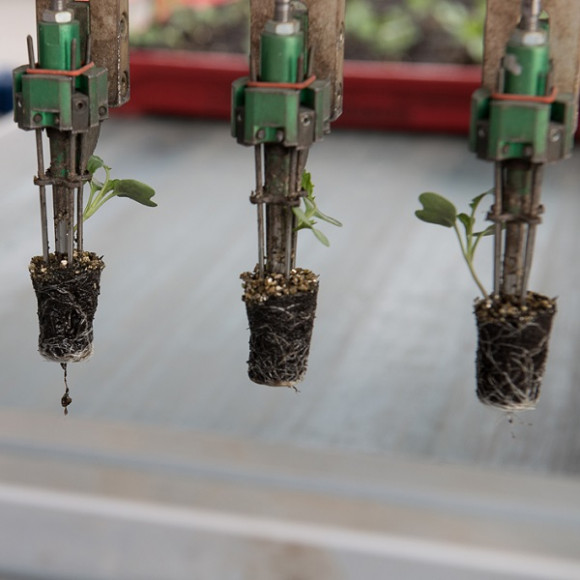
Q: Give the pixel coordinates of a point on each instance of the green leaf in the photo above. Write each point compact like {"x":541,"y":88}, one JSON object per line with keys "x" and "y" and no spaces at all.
{"x":307,"y":184}
{"x":476,"y":201}
{"x":310,"y":206}
{"x":94,"y":163}
{"x":489,"y":231}
{"x":321,"y":237}
{"x":135,"y":190}
{"x":327,"y":218}
{"x":436,"y":210}
{"x":303,"y":220}
{"x":467,"y":221}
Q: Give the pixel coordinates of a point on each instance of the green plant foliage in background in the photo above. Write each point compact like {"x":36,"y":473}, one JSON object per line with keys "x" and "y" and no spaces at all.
{"x":223,"y":28}
{"x":385,"y":30}
{"x":416,"y":30}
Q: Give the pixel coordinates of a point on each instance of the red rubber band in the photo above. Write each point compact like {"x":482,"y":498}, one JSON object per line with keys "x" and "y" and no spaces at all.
{"x":66,"y":73}
{"x":526,"y":98}
{"x":297,"y":86}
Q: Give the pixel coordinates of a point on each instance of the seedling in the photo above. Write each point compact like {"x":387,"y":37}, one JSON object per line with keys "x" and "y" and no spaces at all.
{"x":512,"y":334}
{"x":281,"y":306}
{"x":440,"y":211}
{"x":101,"y":192}
{"x":305,"y":218}
{"x":67,"y":290}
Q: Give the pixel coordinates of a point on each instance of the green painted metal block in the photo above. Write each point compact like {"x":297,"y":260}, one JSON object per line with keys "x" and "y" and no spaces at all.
{"x":45,"y":101}
{"x":55,"y":42}
{"x":518,"y":130}
{"x":317,"y":97}
{"x":269,"y":112}
{"x":479,"y":115}
{"x":94,"y":84}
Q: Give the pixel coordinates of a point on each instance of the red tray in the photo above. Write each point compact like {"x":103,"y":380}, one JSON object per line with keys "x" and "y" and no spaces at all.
{"x":393,"y":96}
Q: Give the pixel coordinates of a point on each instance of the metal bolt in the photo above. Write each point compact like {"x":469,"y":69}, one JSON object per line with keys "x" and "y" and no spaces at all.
{"x":260,"y":134}
{"x":279,"y":135}
{"x":37,"y":118}
{"x":102,"y":111}
{"x":124,"y":25}
{"x":554,"y":135}
{"x":124,"y":83}
{"x":305,"y":120}
{"x":528,"y":150}
{"x":505,"y":149}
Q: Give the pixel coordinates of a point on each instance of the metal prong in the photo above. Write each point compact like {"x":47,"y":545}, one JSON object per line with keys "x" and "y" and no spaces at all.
{"x":289,"y":232}
{"x":30,"y":45}
{"x":498,"y":233}
{"x":42,"y":195}
{"x":73,"y":54}
{"x":88,"y":49}
{"x":71,"y":200}
{"x":260,"y":208}
{"x":537,"y":171}
{"x":80,"y":219}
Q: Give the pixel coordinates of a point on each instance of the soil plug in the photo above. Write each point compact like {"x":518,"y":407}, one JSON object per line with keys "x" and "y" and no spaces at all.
{"x":281,"y":314}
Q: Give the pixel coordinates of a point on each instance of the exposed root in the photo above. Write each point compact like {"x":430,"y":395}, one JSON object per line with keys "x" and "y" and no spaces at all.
{"x":280,"y":333}
{"x":67,"y":300}
{"x":512,"y":350}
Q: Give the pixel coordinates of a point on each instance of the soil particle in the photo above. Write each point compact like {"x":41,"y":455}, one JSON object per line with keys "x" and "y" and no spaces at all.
{"x":258,"y":289}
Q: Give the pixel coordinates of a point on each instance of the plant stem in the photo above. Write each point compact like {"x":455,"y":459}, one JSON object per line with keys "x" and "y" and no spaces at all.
{"x":469,"y":263}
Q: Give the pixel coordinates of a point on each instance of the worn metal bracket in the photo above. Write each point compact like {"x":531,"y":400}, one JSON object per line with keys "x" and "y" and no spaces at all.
{"x":109,"y":30}
{"x":501,"y":19}
{"x":326,"y":35}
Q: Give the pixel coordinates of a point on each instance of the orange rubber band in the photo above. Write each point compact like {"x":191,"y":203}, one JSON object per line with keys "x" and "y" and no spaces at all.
{"x":526,"y":98}
{"x":65,"y":73}
{"x":296,"y":86}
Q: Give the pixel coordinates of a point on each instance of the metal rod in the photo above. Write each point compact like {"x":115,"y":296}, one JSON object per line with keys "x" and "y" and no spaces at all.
{"x":80,"y":219}
{"x":73,"y":54}
{"x":516,"y":196}
{"x":260,"y":208}
{"x":497,"y":246}
{"x":30,"y":45}
{"x":531,"y":10}
{"x":42,"y":195}
{"x":537,"y":171}
{"x":289,"y":231}
{"x":71,"y":199}
{"x":290,"y":219}
{"x":282,"y":11}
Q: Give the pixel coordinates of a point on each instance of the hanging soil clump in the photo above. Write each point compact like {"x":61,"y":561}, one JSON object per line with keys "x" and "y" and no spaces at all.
{"x":281,"y":312}
{"x":512,"y":350}
{"x":67,"y":296}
